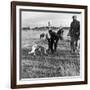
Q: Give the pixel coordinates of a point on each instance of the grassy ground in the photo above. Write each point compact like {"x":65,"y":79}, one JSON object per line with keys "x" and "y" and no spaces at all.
{"x":60,"y":64}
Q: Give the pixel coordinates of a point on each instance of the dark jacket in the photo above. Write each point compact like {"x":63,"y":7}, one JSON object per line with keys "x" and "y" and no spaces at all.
{"x":75,"y":29}
{"x":53,"y":36}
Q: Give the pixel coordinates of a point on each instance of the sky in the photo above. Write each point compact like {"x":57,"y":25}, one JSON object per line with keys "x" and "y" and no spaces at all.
{"x":37,"y":19}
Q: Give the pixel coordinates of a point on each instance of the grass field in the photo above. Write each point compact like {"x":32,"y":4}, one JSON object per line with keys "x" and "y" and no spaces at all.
{"x":60,"y":64}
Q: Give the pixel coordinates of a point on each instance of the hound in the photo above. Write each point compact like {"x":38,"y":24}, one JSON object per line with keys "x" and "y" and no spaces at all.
{"x":38,"y":48}
{"x":42,"y":35}
{"x":33,"y":49}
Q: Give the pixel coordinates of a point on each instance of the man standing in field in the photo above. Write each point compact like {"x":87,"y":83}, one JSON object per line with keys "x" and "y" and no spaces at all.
{"x":74,"y":33}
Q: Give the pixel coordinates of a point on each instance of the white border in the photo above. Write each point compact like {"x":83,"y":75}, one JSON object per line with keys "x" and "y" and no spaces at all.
{"x":55,"y":79}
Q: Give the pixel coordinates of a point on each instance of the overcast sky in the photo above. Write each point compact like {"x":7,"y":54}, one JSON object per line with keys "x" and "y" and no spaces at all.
{"x":34,"y":19}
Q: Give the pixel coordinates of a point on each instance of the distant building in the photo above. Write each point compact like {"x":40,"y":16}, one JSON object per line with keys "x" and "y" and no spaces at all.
{"x":49,"y":25}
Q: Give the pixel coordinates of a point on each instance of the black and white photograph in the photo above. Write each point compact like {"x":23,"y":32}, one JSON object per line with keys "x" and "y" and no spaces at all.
{"x":50,"y":44}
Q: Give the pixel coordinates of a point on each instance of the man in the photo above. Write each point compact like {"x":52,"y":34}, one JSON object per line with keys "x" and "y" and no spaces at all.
{"x":74,"y":33}
{"x":53,"y":41}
